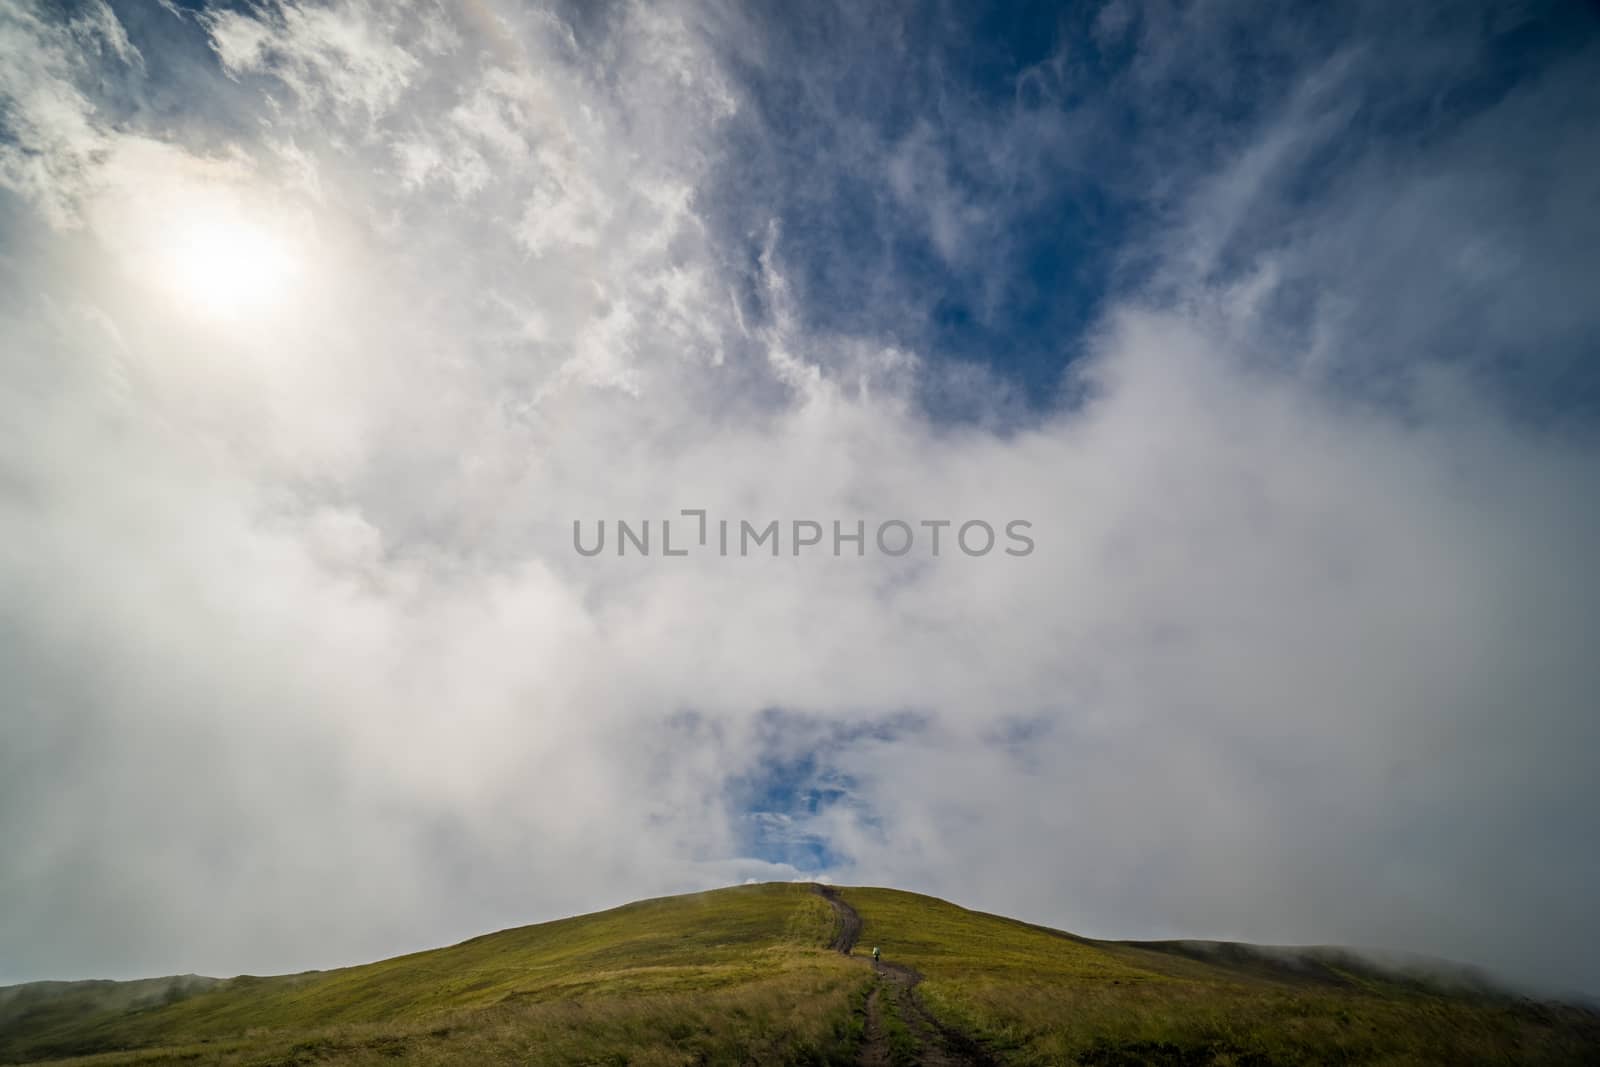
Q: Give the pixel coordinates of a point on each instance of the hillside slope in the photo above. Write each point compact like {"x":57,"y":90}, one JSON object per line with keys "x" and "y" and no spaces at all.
{"x":780,"y":973}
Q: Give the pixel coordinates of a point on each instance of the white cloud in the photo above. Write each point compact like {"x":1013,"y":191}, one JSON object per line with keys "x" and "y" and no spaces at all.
{"x":53,"y":137}
{"x":346,"y":57}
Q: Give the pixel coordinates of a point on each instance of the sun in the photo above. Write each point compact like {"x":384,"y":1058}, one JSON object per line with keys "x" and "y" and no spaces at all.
{"x":220,"y":264}
{"x":201,"y":238}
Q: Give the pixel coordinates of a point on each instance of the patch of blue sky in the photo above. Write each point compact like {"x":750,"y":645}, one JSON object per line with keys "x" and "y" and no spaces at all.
{"x":782,"y":800}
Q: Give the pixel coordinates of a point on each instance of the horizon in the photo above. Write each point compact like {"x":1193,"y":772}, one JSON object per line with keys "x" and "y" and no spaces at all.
{"x":1397,"y":962}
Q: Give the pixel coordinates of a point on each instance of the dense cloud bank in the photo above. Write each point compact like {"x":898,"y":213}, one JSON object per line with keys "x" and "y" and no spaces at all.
{"x":301,"y":666}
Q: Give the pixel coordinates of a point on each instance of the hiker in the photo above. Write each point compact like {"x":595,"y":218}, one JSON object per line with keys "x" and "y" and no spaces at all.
{"x":874,"y":953}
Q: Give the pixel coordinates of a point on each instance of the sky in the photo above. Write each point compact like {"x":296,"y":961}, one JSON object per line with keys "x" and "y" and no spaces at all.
{"x":323,"y":324}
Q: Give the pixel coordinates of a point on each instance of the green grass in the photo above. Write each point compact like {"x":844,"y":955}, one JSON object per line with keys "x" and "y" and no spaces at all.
{"x":743,"y":976}
{"x":736,"y":976}
{"x":1040,"y":997}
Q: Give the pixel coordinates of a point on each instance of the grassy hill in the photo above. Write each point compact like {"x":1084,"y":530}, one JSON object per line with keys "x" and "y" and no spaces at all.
{"x":765,"y":974}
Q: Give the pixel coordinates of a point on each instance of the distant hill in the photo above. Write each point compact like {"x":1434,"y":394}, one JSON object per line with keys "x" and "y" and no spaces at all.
{"x":781,"y":974}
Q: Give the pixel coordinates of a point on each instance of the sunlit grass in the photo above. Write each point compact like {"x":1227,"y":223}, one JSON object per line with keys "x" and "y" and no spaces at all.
{"x":743,"y":976}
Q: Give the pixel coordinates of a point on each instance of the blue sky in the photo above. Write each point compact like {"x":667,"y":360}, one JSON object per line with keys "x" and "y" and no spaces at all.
{"x":1063,"y":139}
{"x":325,"y":321}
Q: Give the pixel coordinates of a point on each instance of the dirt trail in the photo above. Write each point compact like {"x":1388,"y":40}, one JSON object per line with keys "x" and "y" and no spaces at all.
{"x":848,"y":930}
{"x":894,"y":998}
{"x":874,"y":1041}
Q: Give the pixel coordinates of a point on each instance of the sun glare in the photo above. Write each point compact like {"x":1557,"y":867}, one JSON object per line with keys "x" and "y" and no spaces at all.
{"x":204,"y":236}
{"x":226,"y":267}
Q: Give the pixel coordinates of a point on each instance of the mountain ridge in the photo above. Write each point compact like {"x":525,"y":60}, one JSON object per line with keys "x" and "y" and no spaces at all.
{"x":779,"y":973}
